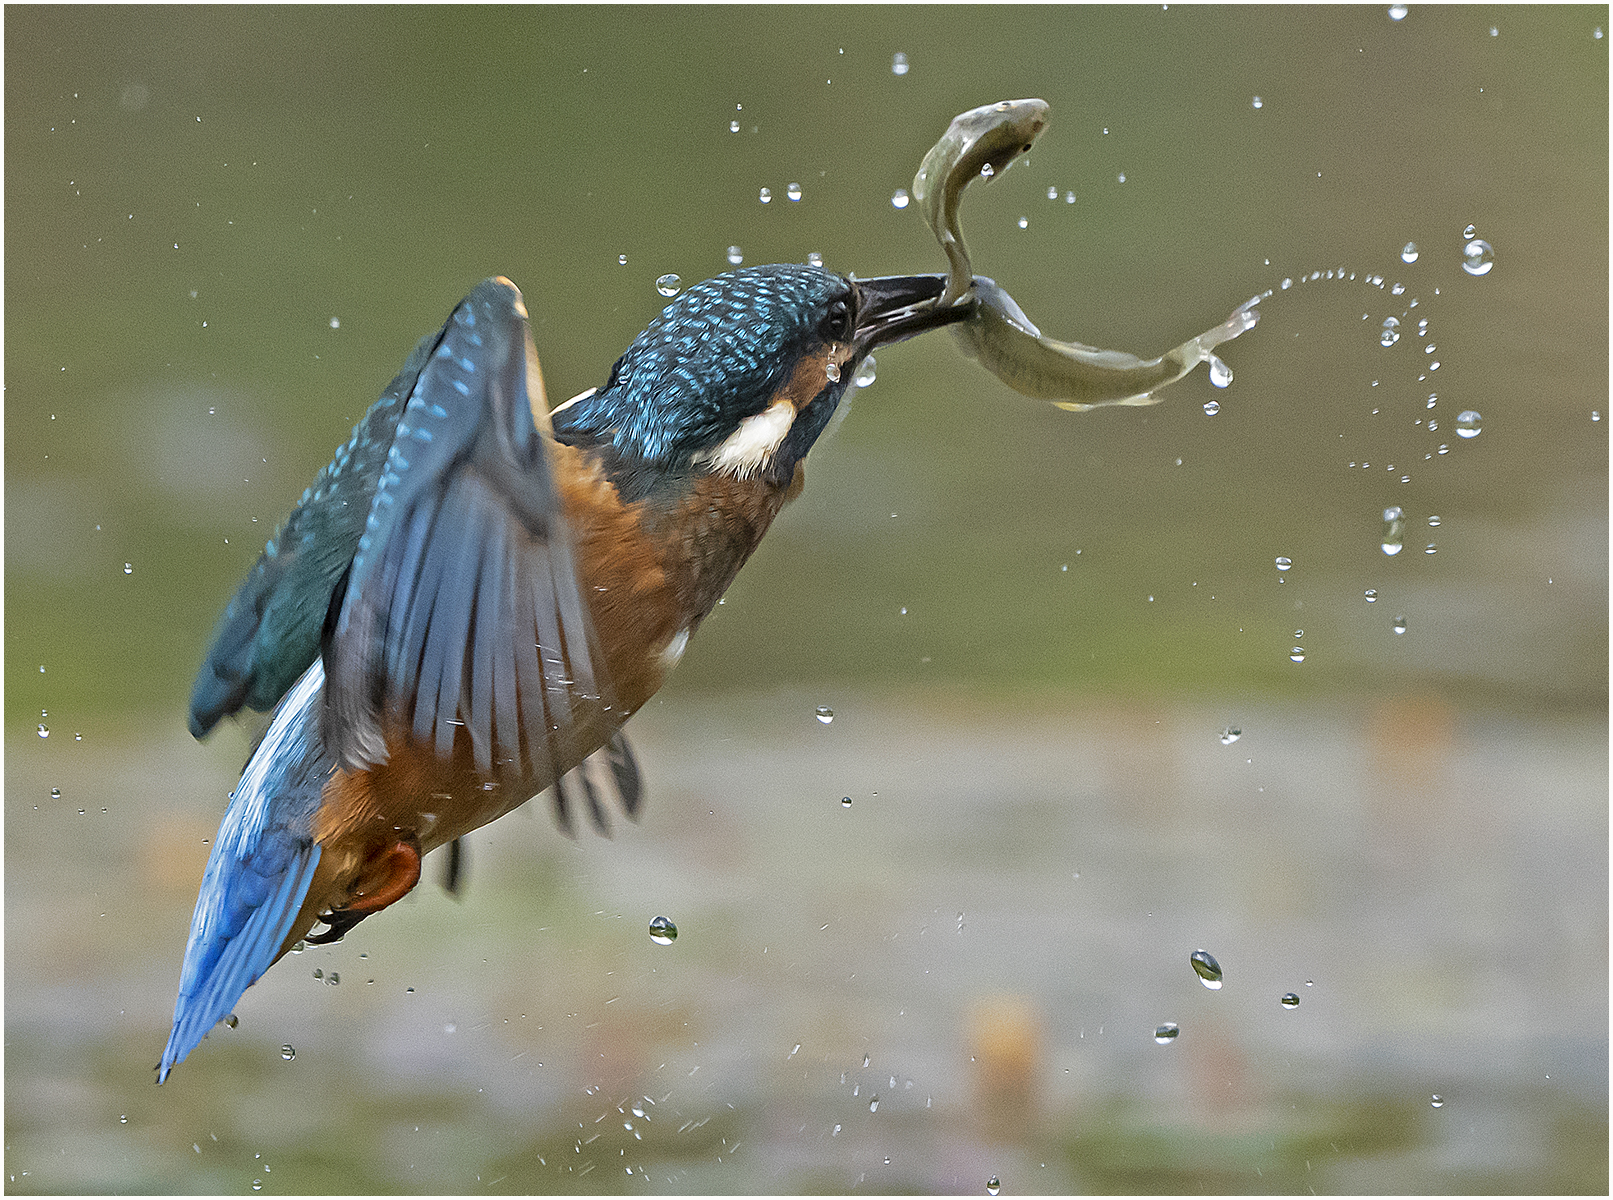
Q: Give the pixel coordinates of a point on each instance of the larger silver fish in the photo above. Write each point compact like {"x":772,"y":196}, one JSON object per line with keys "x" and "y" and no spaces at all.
{"x":998,"y":333}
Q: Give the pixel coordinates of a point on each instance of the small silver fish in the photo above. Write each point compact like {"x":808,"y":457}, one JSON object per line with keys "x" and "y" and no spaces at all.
{"x":998,"y":333}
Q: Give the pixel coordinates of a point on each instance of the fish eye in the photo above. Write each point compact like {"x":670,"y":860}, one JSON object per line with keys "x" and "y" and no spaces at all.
{"x":836,"y":325}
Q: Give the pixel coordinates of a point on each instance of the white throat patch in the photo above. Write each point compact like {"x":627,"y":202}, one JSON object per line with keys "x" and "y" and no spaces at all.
{"x":752,"y":446}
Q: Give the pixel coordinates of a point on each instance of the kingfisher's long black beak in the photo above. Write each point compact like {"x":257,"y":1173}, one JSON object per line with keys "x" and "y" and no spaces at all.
{"x":893,"y":308}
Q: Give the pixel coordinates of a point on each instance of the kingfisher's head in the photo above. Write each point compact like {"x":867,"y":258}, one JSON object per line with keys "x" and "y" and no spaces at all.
{"x":741,"y":373}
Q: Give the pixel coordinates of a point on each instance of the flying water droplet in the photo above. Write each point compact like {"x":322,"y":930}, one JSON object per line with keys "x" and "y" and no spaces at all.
{"x":833,"y":372}
{"x":1372,"y":595}
{"x":288,"y":1052}
{"x":845,"y":802}
{"x":1391,"y":331}
{"x":993,"y":1186}
{"x":733,"y":127}
{"x":1394,"y":531}
{"x":668,"y":285}
{"x":900,"y":198}
{"x":793,"y":193}
{"x":621,"y":260}
{"x":1166,"y":1033}
{"x":1257,"y":102}
{"x":1284,"y":563}
{"x":987,"y":171}
{"x":1399,"y":625}
{"x":1211,"y":407}
{"x":1408,"y":252}
{"x":1397,"y":12}
{"x":663,"y":932}
{"x":1024,"y":222}
{"x":1469,"y":231}
{"x":1205,"y":966}
{"x":1069,"y":197}
{"x":1297,"y":654}
{"x":128,"y":568}
{"x":1477,"y":257}
{"x":865,"y":372}
{"x":766,"y":196}
{"x":824,"y":713}
{"x":1290,"y":1000}
{"x":55,"y":793}
{"x":44,"y":730}
{"x":1220,"y":373}
{"x":1469,"y":424}
{"x":899,"y":63}
{"x":814,"y":259}
{"x":736,"y":255}
{"x":1230,"y":734}
{"x":873,"y":1105}
{"x":1052,"y":193}
{"x":1436,"y":1101}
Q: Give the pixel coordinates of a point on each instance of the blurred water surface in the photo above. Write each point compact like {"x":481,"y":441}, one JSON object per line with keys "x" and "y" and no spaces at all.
{"x":225,"y":229}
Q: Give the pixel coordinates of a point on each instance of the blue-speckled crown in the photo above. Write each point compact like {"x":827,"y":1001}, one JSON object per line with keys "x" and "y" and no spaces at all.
{"x":715,"y":355}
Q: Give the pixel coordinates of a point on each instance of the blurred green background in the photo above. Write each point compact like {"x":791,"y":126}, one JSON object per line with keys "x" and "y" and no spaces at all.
{"x":225,"y":228}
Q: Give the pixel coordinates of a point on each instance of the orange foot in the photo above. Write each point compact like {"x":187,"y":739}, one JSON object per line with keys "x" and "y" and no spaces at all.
{"x":388,"y":878}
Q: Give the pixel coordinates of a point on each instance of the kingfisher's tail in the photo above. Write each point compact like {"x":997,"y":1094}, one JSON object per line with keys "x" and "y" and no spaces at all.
{"x":259,"y":872}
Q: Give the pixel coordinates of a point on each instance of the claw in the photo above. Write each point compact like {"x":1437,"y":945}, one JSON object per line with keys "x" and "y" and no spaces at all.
{"x":390,"y":876}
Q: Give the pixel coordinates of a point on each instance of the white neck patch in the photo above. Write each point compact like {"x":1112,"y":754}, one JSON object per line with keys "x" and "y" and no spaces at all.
{"x":752,"y":446}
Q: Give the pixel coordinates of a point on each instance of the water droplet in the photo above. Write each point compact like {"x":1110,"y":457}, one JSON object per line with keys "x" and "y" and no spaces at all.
{"x":44,"y":730}
{"x":824,"y":713}
{"x":257,"y":1185}
{"x":865,"y":372}
{"x":1431,"y":549}
{"x":288,"y":1052}
{"x":1477,"y":257}
{"x":1469,"y":424}
{"x":1391,"y":331}
{"x":1230,"y":734}
{"x":1399,"y":625}
{"x":1394,"y":531}
{"x":128,"y":568}
{"x":621,"y":260}
{"x":833,"y":372}
{"x":1257,"y":102}
{"x":1297,"y":654}
{"x":318,"y":973}
{"x":898,"y":63}
{"x":1220,"y":373}
{"x":1024,"y":222}
{"x":1204,"y":964}
{"x":1469,"y":231}
{"x":987,"y":171}
{"x":793,"y":193}
{"x":900,"y":197}
{"x":814,"y":259}
{"x":993,"y":1186}
{"x":1211,"y":407}
{"x":1408,"y":252}
{"x":1290,"y":1000}
{"x":1372,"y":595}
{"x":1284,"y":563}
{"x":668,"y":285}
{"x":1069,"y":197}
{"x":1166,"y":1033}
{"x":335,"y":979}
{"x":124,"y":1119}
{"x":845,"y":802}
{"x":1436,"y":1101}
{"x":663,"y":932}
{"x":873,"y":1105}
{"x":1397,"y":12}
{"x":733,"y":127}
{"x":766,"y":196}
{"x":736,"y":255}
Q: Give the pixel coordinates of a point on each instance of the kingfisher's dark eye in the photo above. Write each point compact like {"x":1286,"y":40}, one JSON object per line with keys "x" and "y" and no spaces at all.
{"x":836,"y":325}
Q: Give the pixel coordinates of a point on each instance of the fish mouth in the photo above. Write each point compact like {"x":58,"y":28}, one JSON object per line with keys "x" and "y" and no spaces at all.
{"x":893,"y":308}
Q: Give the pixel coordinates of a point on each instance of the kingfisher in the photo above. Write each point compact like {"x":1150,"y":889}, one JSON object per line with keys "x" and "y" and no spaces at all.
{"x":478,"y":591}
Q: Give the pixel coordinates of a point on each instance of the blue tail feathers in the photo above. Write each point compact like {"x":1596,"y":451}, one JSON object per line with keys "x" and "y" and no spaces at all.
{"x":259,"y":872}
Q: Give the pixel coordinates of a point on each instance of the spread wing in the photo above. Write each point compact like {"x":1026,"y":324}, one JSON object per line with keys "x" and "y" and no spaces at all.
{"x":269,"y":635}
{"x":462,"y":606}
